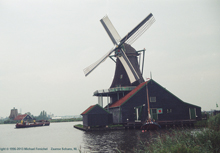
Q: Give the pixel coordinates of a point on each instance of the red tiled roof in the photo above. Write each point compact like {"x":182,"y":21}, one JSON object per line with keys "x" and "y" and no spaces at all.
{"x":20,"y":117}
{"x":88,"y":109}
{"x":128,"y":96}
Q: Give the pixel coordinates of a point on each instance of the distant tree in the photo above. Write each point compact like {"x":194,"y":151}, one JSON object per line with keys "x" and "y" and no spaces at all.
{"x":42,"y":116}
{"x":28,"y":113}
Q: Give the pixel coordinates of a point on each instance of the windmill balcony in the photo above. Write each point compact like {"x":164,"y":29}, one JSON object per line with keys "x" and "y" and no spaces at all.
{"x":107,"y":92}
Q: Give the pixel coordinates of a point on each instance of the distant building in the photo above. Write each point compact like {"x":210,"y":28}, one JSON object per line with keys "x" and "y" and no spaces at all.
{"x":215,"y":112}
{"x":96,"y":115}
{"x":23,"y":117}
{"x":14,"y":113}
{"x":56,"y":118}
{"x":50,"y":116}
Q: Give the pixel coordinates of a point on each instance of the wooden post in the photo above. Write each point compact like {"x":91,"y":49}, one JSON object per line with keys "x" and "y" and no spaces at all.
{"x":148,"y":105}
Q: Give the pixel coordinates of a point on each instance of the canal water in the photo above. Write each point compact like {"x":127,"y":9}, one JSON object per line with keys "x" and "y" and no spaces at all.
{"x":63,"y":137}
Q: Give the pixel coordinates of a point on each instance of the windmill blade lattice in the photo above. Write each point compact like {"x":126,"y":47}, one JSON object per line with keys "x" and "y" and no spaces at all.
{"x":132,"y":74}
{"x":135,"y":36}
{"x":135,"y":33}
{"x":90,"y":68}
{"x":111,"y":31}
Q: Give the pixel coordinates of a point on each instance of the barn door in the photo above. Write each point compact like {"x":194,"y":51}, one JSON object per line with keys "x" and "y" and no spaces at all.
{"x":153,"y":113}
{"x":138,"y":113}
{"x":192,"y":113}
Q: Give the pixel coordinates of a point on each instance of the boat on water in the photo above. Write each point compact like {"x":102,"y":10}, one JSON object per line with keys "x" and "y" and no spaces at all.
{"x":24,"y":124}
{"x":149,"y":124}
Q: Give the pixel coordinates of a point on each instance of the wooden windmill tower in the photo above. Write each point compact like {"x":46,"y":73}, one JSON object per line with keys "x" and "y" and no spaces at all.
{"x":127,"y":73}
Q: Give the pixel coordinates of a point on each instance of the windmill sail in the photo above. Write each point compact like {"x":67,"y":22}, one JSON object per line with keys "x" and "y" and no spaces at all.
{"x":111,"y":31}
{"x":90,"y":68}
{"x":132,"y":74}
{"x":119,"y":43}
{"x":138,"y":30}
{"x":136,"y":35}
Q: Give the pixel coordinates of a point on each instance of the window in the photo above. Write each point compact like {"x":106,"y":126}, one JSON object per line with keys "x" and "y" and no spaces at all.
{"x":152,"y":99}
{"x":154,"y":111}
{"x":121,"y":76}
{"x":169,"y":110}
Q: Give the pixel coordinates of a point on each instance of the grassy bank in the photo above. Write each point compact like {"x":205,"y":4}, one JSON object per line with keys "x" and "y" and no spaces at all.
{"x":202,"y":123}
{"x":66,"y":120}
{"x":79,"y":125}
{"x":8,"y":122}
{"x":204,"y":140}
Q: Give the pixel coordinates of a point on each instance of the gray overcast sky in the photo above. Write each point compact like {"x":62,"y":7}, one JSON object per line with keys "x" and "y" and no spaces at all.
{"x":46,"y":44}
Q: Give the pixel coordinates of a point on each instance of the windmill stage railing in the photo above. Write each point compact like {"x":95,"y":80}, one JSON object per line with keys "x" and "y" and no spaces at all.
{"x":112,"y":90}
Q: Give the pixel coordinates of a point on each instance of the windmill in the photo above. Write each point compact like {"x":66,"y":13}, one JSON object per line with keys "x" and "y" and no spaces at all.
{"x":127,"y":72}
{"x":119,"y":45}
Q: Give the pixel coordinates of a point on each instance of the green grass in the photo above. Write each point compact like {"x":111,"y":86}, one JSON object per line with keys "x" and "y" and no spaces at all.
{"x":204,"y":140}
{"x":66,"y":120}
{"x":79,"y":125}
{"x":202,"y":123}
{"x":183,"y":141}
{"x":116,"y":125}
{"x":9,"y":121}
{"x":214,"y":122}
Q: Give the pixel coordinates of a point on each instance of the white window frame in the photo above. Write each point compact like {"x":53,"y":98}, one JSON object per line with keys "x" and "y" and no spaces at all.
{"x":153,"y":99}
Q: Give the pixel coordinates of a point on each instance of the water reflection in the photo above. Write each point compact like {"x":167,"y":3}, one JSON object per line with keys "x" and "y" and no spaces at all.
{"x":110,"y":141}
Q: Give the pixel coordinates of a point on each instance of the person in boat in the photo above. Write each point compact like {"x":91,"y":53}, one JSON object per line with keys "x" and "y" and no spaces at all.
{"x":22,"y":122}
